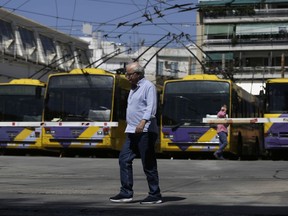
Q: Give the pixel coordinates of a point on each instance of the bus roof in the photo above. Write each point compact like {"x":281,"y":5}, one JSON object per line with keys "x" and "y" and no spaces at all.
{"x":277,"y":80}
{"x":96,"y":71}
{"x":25,"y":81}
{"x":84,"y":71}
{"x":201,"y":77}
{"x":209,"y":77}
{"x":89,"y":71}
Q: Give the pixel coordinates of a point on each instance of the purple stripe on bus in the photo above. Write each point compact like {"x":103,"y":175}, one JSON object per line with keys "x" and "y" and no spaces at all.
{"x":9,"y":133}
{"x":279,"y":138}
{"x":66,"y":133}
{"x":182,"y":136}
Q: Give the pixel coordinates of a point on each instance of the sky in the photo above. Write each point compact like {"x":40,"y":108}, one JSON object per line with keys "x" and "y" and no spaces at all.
{"x":129,"y":22}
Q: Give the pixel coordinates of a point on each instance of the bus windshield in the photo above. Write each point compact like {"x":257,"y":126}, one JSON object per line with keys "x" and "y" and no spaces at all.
{"x":187,"y":102}
{"x":79,"y":98}
{"x":277,"y":97}
{"x":21,"y":102}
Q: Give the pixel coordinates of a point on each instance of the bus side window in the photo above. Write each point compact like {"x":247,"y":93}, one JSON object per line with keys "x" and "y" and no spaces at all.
{"x":38,"y":92}
{"x":235,"y":105}
{"x":120,"y":105}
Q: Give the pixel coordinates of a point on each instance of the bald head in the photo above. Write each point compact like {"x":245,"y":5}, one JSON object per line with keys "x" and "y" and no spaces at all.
{"x":135,"y":67}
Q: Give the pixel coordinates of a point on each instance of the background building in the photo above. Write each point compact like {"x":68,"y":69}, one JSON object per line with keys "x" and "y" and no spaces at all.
{"x":160,"y":63}
{"x":31,"y":50}
{"x":245,"y":40}
{"x":28,"y":49}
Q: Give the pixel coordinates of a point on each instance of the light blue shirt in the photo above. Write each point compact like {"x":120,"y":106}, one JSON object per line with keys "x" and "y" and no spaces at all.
{"x":142,"y":104}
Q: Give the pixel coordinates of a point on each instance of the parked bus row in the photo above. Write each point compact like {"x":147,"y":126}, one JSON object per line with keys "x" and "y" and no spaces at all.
{"x":84,"y":110}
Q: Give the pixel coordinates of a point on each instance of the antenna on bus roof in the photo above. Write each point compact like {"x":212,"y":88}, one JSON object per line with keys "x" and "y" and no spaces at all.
{"x":113,"y":56}
{"x":174,"y":37}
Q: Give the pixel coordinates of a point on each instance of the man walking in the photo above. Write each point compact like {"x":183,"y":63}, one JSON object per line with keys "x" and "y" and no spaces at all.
{"x":141,"y":135}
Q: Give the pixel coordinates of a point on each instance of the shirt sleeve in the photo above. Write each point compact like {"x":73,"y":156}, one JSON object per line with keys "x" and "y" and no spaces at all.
{"x":151,"y":107}
{"x":221,"y":114}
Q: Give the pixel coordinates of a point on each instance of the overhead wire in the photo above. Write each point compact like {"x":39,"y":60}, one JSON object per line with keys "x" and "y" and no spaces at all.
{"x":15,"y":9}
{"x":74,"y":8}
{"x":146,"y":14}
{"x":6,"y":3}
{"x":125,"y":25}
{"x":100,"y":24}
{"x":130,"y":24}
{"x":57,"y":14}
{"x":148,"y":17}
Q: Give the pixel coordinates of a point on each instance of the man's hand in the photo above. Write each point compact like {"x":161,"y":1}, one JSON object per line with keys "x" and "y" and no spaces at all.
{"x":140,"y":126}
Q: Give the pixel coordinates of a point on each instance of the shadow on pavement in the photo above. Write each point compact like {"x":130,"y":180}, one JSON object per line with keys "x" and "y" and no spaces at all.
{"x":170,"y":207}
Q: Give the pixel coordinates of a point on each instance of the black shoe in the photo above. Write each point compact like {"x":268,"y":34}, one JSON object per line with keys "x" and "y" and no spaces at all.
{"x":121,"y":198}
{"x":151,"y":200}
{"x":218,"y":157}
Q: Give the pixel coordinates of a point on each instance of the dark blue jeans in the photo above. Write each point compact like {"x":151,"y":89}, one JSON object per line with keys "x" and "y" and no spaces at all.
{"x":142,"y":144}
{"x":222,"y":142}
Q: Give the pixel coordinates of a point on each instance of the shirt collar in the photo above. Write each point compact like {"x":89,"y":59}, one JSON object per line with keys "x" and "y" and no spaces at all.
{"x":137,"y":86}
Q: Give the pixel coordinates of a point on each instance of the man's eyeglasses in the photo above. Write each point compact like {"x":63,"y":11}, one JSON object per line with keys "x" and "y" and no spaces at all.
{"x":127,"y":75}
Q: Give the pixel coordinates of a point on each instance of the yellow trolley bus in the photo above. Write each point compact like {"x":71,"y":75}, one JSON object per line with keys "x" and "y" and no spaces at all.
{"x":187,"y":101}
{"x":276,"y":134}
{"x":85,"y":109}
{"x":20,"y":114}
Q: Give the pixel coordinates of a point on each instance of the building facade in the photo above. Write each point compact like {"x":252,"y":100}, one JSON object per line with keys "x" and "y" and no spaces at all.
{"x":160,"y":63}
{"x":246,"y":40}
{"x":31,"y":50}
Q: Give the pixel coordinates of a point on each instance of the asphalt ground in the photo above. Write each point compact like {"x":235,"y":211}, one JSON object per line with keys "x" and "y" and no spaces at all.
{"x":50,"y":186}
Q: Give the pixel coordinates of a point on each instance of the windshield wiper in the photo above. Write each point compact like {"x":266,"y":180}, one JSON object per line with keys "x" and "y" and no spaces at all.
{"x":177,"y":126}
{"x":187,"y":122}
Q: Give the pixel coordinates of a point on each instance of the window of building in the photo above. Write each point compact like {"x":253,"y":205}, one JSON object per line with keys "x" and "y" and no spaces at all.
{"x":67,"y":51}
{"x":6,"y":32}
{"x":7,"y":37}
{"x":84,"y":60}
{"x":174,"y":67}
{"x":222,"y":31}
{"x":27,"y":38}
{"x":160,"y":68}
{"x":48,"y":45}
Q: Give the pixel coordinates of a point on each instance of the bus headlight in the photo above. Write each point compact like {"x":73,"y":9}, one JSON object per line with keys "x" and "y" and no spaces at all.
{"x":168,"y":136}
{"x":49,"y":131}
{"x":105,"y":131}
{"x":270,"y":134}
